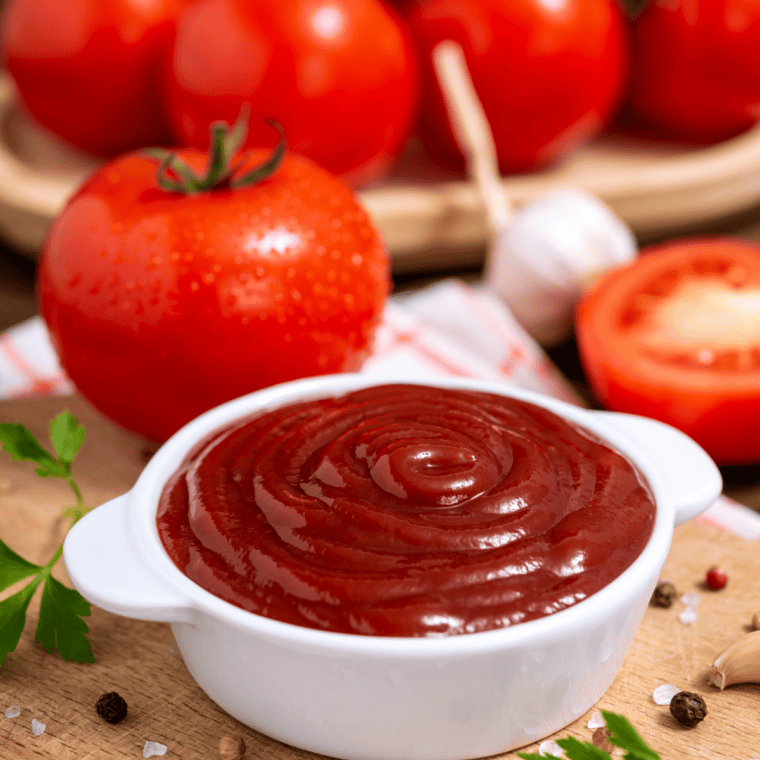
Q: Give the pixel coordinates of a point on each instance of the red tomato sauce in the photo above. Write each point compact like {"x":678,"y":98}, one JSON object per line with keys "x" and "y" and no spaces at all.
{"x":404,"y":510}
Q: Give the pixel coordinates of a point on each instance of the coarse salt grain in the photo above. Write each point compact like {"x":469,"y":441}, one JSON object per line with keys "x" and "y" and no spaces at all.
{"x":551,"y":748}
{"x":153,"y":748}
{"x":689,"y":615}
{"x":597,"y":720}
{"x":663,"y":695}
{"x":37,"y":727}
{"x":13,"y":712}
{"x":690,"y":600}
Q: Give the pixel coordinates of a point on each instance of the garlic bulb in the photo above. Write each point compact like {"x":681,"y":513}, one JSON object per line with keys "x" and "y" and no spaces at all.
{"x":543,"y":256}
{"x":552,"y":249}
{"x":738,"y":663}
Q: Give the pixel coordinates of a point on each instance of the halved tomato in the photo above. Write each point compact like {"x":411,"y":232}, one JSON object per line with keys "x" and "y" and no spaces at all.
{"x":675,"y":335}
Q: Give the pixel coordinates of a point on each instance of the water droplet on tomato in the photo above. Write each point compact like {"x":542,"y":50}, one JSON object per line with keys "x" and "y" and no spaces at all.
{"x":705,"y":356}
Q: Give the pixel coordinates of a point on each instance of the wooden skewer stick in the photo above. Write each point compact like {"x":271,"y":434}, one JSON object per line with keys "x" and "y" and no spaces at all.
{"x":473,"y":132}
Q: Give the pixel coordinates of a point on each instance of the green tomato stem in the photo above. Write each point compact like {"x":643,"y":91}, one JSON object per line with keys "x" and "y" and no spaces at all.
{"x":174,"y":175}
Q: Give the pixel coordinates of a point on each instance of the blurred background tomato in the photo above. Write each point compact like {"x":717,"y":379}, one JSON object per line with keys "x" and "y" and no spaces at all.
{"x":549,"y":73}
{"x":87,"y":69}
{"x":339,"y":75}
{"x":696,"y":73}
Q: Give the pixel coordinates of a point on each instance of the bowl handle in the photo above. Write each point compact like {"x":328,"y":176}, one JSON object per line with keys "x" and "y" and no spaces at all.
{"x":688,"y":471}
{"x":104,"y":567}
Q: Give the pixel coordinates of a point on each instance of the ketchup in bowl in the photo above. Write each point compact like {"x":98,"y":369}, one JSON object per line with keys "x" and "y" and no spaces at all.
{"x":405,"y":510}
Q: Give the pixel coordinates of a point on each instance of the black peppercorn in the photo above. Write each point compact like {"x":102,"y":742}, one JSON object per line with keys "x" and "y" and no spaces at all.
{"x":664,"y":594}
{"x":111,"y":707}
{"x":688,"y":708}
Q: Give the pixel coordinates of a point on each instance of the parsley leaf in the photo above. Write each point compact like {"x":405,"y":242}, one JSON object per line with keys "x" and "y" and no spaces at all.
{"x":19,"y":442}
{"x":14,"y":568}
{"x":12,"y":619}
{"x":60,"y":623}
{"x":622,"y":733}
{"x":67,"y":437}
{"x":577,"y":750}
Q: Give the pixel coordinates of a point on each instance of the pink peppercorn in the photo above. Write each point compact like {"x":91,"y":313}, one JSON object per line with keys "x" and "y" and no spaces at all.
{"x":716,"y":578}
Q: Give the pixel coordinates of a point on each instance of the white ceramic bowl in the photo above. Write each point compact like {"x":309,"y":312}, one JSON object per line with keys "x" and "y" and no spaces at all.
{"x":384,"y":698}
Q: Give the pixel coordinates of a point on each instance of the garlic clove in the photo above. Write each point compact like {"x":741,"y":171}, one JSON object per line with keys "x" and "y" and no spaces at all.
{"x":737,"y":663}
{"x":551,"y":251}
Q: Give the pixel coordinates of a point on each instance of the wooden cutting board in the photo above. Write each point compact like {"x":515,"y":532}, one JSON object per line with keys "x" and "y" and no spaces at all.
{"x":140,"y":660}
{"x":432,"y":219}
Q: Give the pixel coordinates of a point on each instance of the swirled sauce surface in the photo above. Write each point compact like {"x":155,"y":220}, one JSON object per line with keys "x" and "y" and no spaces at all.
{"x":403,"y":510}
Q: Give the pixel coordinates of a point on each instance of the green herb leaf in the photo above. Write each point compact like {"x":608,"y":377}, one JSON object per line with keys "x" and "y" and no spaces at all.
{"x":12,"y":619}
{"x":14,"y":568}
{"x":577,"y":750}
{"x":574,"y":750}
{"x":624,"y":735}
{"x":60,"y":623}
{"x":67,"y":436}
{"x":22,"y":445}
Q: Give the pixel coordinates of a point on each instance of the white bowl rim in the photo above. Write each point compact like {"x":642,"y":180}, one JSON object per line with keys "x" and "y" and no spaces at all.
{"x":143,"y":498}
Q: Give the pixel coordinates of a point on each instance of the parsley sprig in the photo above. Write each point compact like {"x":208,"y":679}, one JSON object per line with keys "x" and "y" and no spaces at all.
{"x":621,"y":733}
{"x":60,"y":621}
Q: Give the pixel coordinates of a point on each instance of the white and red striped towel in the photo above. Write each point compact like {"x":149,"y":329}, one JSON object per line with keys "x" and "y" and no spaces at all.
{"x":449,"y":328}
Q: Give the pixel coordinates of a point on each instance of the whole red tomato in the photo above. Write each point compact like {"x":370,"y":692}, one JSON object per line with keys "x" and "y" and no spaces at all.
{"x":162,"y":304}
{"x":676,"y":336}
{"x":550,"y":75}
{"x":339,"y":75}
{"x":87,"y":69}
{"x":696,"y":69}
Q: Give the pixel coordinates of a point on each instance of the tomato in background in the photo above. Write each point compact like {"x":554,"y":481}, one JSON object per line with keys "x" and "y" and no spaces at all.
{"x":549,"y":73}
{"x":676,"y":336}
{"x":162,"y":305}
{"x":696,"y":71}
{"x":86,"y":70}
{"x":339,"y":75}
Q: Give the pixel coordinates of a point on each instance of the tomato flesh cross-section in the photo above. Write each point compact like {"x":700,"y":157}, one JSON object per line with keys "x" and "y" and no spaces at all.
{"x":676,"y":336}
